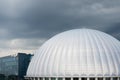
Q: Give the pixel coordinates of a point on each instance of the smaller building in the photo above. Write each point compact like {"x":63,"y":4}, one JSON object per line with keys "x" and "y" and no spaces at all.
{"x":14,"y":66}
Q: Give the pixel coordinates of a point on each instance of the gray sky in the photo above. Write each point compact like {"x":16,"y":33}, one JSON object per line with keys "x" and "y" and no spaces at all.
{"x":26,"y":24}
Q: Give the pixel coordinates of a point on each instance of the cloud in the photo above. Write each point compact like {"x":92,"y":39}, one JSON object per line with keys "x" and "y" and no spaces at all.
{"x":23,"y":23}
{"x":14,"y":46}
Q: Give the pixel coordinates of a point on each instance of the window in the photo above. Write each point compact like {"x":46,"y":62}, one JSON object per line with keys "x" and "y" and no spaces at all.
{"x":46,"y":78}
{"x":100,"y":78}
{"x":108,"y":78}
{"x":92,"y":78}
{"x":67,"y":78}
{"x":60,"y":78}
{"x":83,"y":78}
{"x":53,"y":78}
{"x":114,"y":78}
{"x":41,"y":78}
{"x":32,"y":78}
{"x":36,"y":78}
{"x":75,"y":78}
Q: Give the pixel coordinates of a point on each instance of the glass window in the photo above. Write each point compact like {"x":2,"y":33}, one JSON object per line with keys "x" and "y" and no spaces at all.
{"x":60,"y":78}
{"x":114,"y":78}
{"x":83,"y":78}
{"x":31,"y":79}
{"x":108,"y":78}
{"x":100,"y":78}
{"x":46,"y":78}
{"x":75,"y":78}
{"x":53,"y":78}
{"x":41,"y":78}
{"x":36,"y":78}
{"x":67,"y":78}
{"x":92,"y":78}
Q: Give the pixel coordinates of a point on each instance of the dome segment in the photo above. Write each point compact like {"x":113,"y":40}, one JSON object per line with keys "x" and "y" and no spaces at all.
{"x":78,"y":52}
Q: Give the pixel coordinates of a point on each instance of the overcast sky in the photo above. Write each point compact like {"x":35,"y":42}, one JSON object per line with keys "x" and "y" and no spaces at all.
{"x":26,"y":24}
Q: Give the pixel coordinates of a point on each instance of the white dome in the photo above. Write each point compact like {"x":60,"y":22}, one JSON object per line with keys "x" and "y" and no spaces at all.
{"x":78,"y":52}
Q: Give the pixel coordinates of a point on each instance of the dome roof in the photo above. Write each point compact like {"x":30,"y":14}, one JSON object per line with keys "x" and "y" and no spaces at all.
{"x":77,"y":52}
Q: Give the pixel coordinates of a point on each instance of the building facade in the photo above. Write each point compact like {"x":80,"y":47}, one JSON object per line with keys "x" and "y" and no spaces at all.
{"x":14,"y":66}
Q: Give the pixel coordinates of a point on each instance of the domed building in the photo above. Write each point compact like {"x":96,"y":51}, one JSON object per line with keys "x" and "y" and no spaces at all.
{"x":78,"y":54}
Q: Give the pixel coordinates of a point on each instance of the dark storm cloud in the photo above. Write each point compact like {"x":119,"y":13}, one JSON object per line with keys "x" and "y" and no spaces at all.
{"x":115,"y":30}
{"x":48,"y":17}
{"x":42,"y":19}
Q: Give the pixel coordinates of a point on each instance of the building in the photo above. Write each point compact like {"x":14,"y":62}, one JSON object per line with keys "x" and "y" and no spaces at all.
{"x":78,"y":54}
{"x":14,"y":66}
